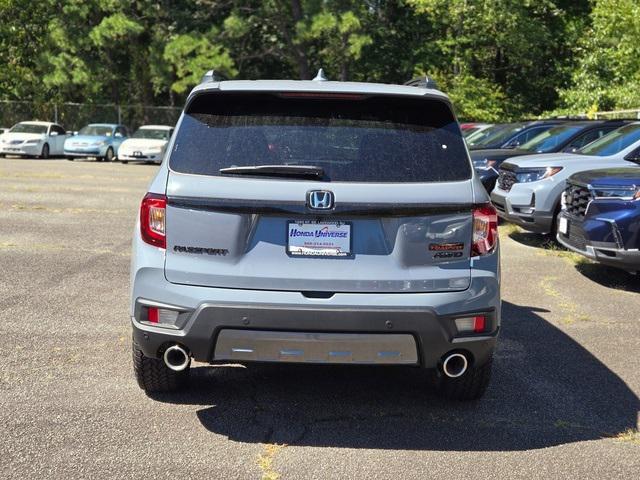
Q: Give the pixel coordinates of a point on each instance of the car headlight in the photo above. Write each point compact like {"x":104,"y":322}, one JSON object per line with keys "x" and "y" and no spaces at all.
{"x":155,"y":150}
{"x":622,"y":193}
{"x":99,"y":144}
{"x":535,"y":174}
{"x":32,"y":142}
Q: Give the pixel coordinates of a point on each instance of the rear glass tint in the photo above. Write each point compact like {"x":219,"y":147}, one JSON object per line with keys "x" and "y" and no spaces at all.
{"x":353,"y":138}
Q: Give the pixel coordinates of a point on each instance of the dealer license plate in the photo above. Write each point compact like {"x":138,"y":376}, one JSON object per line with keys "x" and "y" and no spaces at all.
{"x":318,"y":239}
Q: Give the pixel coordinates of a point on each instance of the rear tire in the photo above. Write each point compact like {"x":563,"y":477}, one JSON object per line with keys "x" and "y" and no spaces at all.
{"x":470,"y":386}
{"x":154,"y":376}
{"x":124,"y":162}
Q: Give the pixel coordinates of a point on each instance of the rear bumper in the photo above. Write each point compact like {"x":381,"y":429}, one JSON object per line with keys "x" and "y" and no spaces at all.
{"x":364,"y":322}
{"x":270,"y":333}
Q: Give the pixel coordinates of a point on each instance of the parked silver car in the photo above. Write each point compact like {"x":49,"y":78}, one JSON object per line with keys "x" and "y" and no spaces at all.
{"x":529,"y":188}
{"x":316,"y":222}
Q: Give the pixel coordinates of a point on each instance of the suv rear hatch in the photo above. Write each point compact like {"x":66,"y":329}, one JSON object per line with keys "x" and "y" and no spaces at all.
{"x":392,"y":172}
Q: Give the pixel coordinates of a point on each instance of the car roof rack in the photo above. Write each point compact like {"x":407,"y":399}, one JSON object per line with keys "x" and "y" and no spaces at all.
{"x":213,"y":76}
{"x":422,"y":82}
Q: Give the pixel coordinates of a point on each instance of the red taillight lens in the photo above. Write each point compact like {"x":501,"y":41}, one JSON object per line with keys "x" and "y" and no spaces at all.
{"x":152,"y":219}
{"x":485,"y":230}
{"x":153,"y":315}
{"x":479,"y":324}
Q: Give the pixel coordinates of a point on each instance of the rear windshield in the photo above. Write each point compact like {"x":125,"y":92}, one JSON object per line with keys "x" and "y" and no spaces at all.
{"x":613,"y":142}
{"x":352,"y":138}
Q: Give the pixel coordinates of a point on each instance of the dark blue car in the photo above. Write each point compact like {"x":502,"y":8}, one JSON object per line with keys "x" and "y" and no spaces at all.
{"x":600,"y":216}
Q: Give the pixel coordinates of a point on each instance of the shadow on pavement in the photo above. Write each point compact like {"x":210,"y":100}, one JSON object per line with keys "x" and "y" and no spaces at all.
{"x":610,"y":277}
{"x":546,"y":390}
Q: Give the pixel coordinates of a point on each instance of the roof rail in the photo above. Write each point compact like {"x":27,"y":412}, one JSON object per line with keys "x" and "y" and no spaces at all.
{"x":423,"y":82}
{"x":212,"y":76}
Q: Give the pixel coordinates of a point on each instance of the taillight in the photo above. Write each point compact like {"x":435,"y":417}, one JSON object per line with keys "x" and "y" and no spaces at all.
{"x":485,"y":230}
{"x":152,"y":219}
{"x":475,"y":324}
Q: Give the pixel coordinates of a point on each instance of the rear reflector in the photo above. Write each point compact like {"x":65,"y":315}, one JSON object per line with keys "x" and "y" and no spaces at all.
{"x":475,"y":324}
{"x":485,"y":230}
{"x":152,"y":219}
{"x":161,"y":315}
{"x":153,"y":315}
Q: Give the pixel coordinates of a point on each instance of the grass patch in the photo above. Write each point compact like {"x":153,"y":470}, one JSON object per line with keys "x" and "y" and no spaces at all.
{"x":265,"y":461}
{"x":631,"y":435}
{"x":508,"y":229}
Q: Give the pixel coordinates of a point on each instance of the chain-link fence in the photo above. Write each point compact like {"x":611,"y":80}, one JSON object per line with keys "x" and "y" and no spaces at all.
{"x":74,"y":116}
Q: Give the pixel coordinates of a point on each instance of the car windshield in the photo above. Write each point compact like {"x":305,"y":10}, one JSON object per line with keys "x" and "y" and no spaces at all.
{"x":28,"y":128}
{"x":96,"y":130}
{"x":349,"y":137}
{"x":152,"y":133}
{"x":613,"y":142}
{"x":496,"y":135}
{"x":552,"y":139}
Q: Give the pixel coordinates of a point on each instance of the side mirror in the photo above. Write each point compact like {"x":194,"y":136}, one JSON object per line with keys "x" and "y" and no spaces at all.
{"x":53,"y":134}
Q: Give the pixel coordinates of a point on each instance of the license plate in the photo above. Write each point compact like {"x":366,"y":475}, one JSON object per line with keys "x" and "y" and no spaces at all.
{"x":563,"y":225}
{"x":318,"y":239}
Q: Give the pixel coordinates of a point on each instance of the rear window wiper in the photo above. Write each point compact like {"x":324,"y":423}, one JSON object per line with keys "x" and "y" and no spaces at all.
{"x":292,"y":171}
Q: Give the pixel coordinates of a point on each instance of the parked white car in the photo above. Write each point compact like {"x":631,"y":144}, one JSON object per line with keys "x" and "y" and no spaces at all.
{"x":529,"y":187}
{"x":34,"y":139}
{"x":147,"y":145}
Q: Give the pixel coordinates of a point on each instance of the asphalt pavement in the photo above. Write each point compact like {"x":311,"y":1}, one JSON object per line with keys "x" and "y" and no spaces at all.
{"x":563,"y":402}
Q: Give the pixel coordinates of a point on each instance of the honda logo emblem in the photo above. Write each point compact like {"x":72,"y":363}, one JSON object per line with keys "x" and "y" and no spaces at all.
{"x":320,"y":199}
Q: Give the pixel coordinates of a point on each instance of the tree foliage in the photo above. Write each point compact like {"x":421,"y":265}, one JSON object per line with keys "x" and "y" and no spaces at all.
{"x":497,"y":59}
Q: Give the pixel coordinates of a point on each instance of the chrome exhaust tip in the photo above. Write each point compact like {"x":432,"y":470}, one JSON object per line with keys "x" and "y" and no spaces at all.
{"x":454,"y":365}
{"x":176,"y":358}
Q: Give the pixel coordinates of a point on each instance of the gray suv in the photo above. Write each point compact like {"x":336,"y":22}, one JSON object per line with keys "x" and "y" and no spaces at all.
{"x":316,"y":222}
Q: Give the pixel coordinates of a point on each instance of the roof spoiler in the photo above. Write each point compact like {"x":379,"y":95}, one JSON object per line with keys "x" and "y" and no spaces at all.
{"x":423,"y":82}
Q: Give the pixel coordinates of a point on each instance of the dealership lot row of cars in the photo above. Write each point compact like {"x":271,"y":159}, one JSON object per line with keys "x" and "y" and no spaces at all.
{"x":577,"y":180}
{"x":102,"y":141}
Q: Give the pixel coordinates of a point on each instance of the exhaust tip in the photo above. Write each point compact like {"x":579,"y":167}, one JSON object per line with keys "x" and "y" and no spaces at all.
{"x":176,"y":358}
{"x":454,"y":365}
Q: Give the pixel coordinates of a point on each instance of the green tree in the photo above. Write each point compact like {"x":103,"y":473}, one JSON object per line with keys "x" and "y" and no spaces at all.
{"x":607,"y":74}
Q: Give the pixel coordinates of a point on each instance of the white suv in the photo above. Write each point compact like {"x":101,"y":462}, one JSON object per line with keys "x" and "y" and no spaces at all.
{"x":529,"y":188}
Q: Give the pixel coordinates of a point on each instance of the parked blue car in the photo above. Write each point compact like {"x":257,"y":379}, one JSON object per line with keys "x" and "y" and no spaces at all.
{"x":600,"y":216}
{"x":97,"y":140}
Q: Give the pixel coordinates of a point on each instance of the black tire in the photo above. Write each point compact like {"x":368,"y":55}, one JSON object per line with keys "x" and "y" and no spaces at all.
{"x":109,"y":156}
{"x":70,"y":158}
{"x":2,"y":155}
{"x":45,"y":151}
{"x":124,"y":162}
{"x":154,"y":376}
{"x":470,"y":386}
